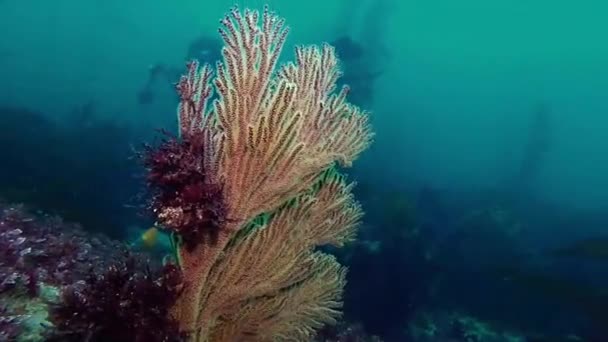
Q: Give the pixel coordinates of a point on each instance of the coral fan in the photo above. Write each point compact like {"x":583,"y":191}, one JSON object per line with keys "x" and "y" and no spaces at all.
{"x":123,"y":305}
{"x":255,"y":169}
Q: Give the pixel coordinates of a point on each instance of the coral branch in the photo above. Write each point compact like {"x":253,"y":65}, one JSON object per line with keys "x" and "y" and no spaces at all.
{"x":270,"y":137}
{"x":194,"y":90}
{"x":277,"y":253}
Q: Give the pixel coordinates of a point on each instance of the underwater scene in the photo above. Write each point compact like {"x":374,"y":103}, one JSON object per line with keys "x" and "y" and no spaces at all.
{"x":304,"y":171}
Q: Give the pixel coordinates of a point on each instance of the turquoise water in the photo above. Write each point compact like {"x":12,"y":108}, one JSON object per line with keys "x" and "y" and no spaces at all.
{"x":459,"y":81}
{"x":490,"y":147}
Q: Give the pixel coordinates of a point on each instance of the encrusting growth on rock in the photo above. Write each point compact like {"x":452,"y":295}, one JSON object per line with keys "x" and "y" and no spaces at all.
{"x":250,"y":190}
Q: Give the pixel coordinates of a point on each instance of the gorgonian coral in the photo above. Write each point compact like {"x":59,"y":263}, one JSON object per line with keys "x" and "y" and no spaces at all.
{"x":250,"y":167}
{"x":123,"y":304}
{"x":183,"y":198}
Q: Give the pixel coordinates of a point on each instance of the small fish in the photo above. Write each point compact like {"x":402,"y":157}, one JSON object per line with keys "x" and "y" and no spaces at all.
{"x":153,"y":239}
{"x":149,"y":238}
